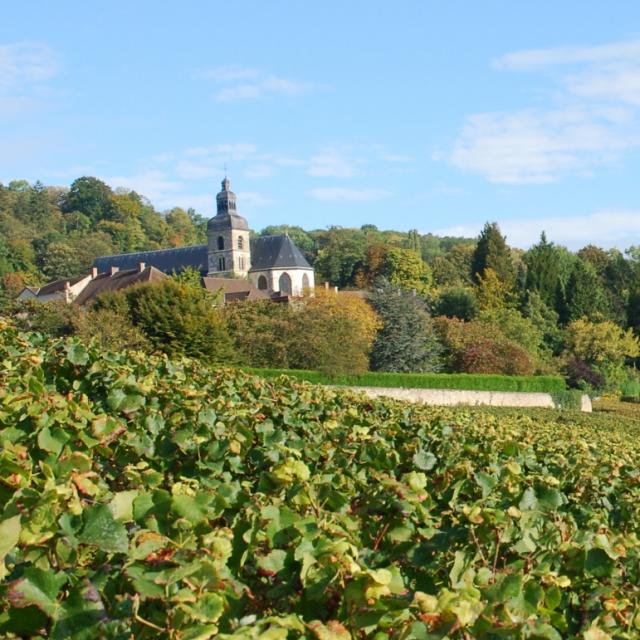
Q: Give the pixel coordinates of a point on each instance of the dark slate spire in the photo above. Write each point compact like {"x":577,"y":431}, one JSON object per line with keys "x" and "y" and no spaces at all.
{"x":227,"y":216}
{"x":226,"y":199}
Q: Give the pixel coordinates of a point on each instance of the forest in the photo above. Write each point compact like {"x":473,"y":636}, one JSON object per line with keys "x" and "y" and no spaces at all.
{"x":432,"y":303}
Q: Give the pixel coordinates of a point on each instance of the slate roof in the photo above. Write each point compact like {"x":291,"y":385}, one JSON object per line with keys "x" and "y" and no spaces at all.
{"x":167,"y":260}
{"x":119,"y":280}
{"x":276,"y":252}
{"x":222,"y":222}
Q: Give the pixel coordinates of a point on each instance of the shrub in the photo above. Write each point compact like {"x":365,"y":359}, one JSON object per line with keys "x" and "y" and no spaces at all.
{"x":580,"y":375}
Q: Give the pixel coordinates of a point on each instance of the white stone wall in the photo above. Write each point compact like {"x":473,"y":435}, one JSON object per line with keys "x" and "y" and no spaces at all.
{"x":237,"y":261}
{"x":273,"y":279}
{"x":455,"y":397}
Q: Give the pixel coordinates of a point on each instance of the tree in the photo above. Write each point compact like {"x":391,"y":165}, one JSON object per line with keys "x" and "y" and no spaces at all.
{"x":407,"y":341}
{"x":493,"y":293}
{"x":492,"y":252}
{"x":546,"y":320}
{"x":602,"y":345}
{"x":261,"y":331}
{"x":584,"y":296}
{"x":109,"y":330}
{"x":405,"y":268}
{"x":457,"y":302}
{"x":89,"y":196}
{"x":180,"y":319}
{"x":333,"y":333}
{"x":341,"y":256}
{"x":544,"y":270}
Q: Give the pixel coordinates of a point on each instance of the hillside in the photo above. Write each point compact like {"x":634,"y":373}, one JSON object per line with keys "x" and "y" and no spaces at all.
{"x":167,"y":500}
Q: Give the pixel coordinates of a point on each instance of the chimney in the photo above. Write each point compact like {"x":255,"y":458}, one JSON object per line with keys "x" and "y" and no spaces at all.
{"x":94,"y":272}
{"x":141,"y":266}
{"x":113,"y":270}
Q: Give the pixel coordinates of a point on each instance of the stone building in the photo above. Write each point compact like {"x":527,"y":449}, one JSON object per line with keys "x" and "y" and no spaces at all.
{"x":271,"y":264}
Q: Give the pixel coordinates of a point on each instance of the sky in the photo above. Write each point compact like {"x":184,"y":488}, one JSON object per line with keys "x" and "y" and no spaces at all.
{"x":436,"y":116}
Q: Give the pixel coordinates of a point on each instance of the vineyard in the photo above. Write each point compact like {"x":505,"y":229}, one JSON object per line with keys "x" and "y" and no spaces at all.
{"x":149,"y":498}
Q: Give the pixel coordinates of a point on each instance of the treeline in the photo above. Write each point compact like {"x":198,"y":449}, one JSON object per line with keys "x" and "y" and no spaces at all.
{"x":438,"y":304}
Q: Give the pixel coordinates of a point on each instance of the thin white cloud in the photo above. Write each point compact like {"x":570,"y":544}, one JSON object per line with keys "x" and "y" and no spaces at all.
{"x":238,"y":151}
{"x":344,"y":194}
{"x":23,"y":63}
{"x":531,"y":59}
{"x":592,"y":121}
{"x":248,"y":83}
{"x":229,"y":73}
{"x":154,"y":185}
{"x":255,"y":199}
{"x":259,"y":171}
{"x":198,"y":169}
{"x":606,"y":229}
{"x":74,"y":171}
{"x":539,"y":146}
{"x":332,"y":162}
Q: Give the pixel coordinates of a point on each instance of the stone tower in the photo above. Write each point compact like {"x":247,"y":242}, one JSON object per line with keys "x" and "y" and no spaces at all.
{"x":228,"y":250}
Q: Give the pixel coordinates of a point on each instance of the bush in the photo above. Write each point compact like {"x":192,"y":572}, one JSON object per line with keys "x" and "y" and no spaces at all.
{"x":580,"y":375}
{"x":464,"y":381}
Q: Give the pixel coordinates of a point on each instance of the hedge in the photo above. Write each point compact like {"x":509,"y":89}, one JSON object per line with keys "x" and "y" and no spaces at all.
{"x":466,"y":381}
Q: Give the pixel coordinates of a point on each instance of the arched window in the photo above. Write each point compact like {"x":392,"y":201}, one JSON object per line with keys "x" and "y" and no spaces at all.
{"x":220,"y":243}
{"x":262,"y":283}
{"x":241,"y":263}
{"x":240,"y":242}
{"x":221,"y":264}
{"x":305,"y":282}
{"x":285,"y":284}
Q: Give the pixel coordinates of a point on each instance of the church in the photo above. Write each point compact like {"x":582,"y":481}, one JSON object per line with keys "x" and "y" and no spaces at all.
{"x":267,"y":267}
{"x":272,"y":264}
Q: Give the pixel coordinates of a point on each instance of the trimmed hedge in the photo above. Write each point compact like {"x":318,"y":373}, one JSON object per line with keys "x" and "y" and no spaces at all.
{"x":466,"y":381}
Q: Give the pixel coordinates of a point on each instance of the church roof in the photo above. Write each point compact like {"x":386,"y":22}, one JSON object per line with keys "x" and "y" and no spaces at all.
{"x":167,"y":260}
{"x":276,"y":252}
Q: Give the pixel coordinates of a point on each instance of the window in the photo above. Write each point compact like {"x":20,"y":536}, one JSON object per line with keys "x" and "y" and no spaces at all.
{"x":240,"y":242}
{"x":262,"y":283}
{"x":241,"y":263}
{"x":221,"y":264}
{"x":285,"y":284}
{"x":220,"y":243}
{"x":305,"y":282}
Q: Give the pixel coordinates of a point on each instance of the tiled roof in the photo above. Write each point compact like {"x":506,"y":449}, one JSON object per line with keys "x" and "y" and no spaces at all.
{"x":234,"y":289}
{"x":58,"y":285}
{"x":118,"y":280}
{"x":276,"y":252}
{"x":167,"y":260}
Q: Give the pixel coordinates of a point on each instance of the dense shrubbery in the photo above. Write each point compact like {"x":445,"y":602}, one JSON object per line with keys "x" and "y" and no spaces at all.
{"x":477,"y":382}
{"x":150,"y":498}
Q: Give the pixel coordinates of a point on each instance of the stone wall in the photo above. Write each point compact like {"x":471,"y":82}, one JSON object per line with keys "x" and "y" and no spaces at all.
{"x":454,"y":397}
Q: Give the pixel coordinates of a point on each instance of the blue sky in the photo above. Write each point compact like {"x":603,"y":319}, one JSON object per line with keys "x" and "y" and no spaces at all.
{"x":430,"y":115}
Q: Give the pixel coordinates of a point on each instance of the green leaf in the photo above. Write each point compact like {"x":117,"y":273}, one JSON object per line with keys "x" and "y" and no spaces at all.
{"x":273,"y":562}
{"x":9,"y":536}
{"x":485,"y":482}
{"x":598,"y":563}
{"x":39,"y":588}
{"x":103,"y":531}
{"x":121,"y":505}
{"x":52,"y":440}
{"x":192,"y":509}
{"x":77,"y":354}
{"x":424,"y":460}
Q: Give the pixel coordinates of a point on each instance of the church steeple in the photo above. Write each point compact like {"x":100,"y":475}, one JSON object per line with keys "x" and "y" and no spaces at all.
{"x":226,"y":199}
{"x":229,"y":250}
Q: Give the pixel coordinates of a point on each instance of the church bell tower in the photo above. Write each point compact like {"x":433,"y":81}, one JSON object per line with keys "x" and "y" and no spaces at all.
{"x":228,"y":250}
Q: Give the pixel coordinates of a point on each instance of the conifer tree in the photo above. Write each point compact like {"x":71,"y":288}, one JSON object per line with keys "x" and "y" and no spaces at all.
{"x":492,"y":252}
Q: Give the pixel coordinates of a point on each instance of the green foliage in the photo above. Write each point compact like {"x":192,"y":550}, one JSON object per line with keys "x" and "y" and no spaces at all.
{"x":517,"y":328}
{"x":405,"y":268}
{"x":328,"y":332}
{"x":492,"y":252}
{"x":150,"y":498}
{"x":180,"y":319}
{"x":407,"y":341}
{"x":456,"y":302}
{"x":584,"y":297}
{"x":464,"y":381}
